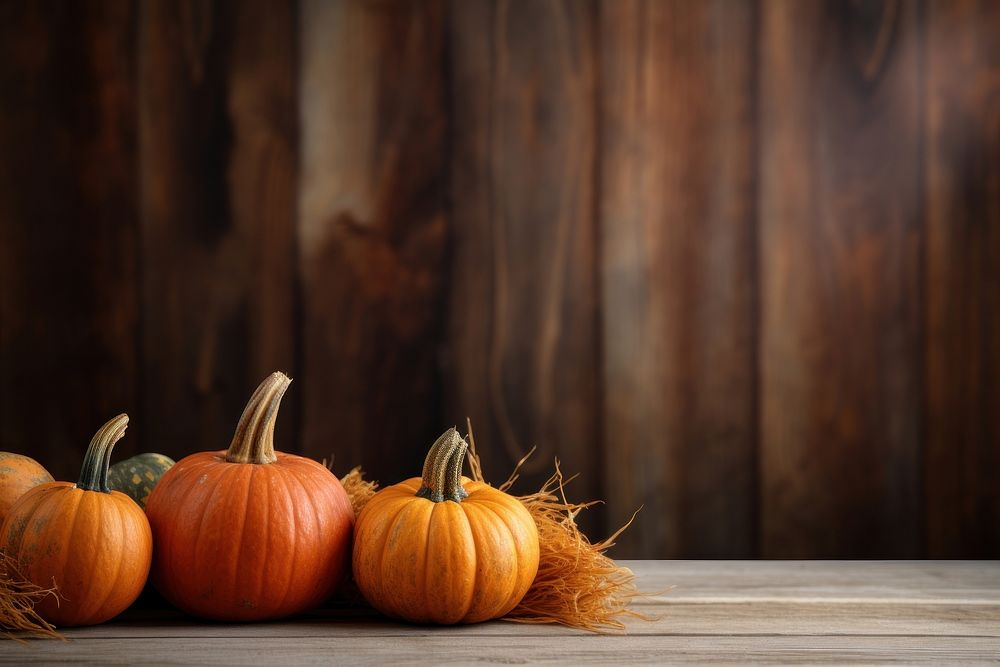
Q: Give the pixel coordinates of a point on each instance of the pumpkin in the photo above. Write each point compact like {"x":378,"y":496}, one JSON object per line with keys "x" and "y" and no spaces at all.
{"x":249,"y":533}
{"x":443,"y":548}
{"x":136,"y":477}
{"x":92,"y":543}
{"x":18,"y":475}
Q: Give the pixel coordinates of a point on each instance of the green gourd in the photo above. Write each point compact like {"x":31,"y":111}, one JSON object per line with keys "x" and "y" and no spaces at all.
{"x":136,"y":477}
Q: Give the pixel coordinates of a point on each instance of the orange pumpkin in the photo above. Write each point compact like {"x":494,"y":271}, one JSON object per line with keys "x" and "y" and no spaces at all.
{"x":443,"y":548}
{"x":249,"y":533}
{"x":18,"y":475}
{"x":94,"y":544}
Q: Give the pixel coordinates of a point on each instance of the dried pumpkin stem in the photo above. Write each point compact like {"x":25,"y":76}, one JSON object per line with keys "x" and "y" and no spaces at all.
{"x":94,"y":472}
{"x":442,"y":478}
{"x":253,"y":441}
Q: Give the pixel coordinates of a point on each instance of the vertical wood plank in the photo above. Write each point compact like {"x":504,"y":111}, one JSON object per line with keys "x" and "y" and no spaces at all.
{"x":963,"y":279}
{"x":68,"y":306}
{"x":677,"y":252}
{"x":841,"y":242}
{"x":372,"y":231}
{"x":523,"y":308}
{"x":217,"y":115}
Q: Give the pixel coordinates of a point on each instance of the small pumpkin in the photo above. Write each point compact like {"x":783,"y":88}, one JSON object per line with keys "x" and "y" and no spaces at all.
{"x":136,"y":477}
{"x":92,"y":543}
{"x":443,"y":548}
{"x":250,"y":533}
{"x":18,"y":475}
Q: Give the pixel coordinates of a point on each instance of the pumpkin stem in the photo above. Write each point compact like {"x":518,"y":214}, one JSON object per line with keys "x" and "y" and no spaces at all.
{"x":94,"y":472}
{"x":442,"y":478}
{"x":253,"y":441}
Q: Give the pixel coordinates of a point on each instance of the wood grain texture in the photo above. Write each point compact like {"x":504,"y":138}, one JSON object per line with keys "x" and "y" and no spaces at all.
{"x":683,"y":618}
{"x":678,"y":274}
{"x":841,"y":238}
{"x":963,"y":279}
{"x":68,"y":223}
{"x":578,"y":650}
{"x":372,"y":231}
{"x":218,"y":166}
{"x":523,"y":329}
{"x":717,"y":612}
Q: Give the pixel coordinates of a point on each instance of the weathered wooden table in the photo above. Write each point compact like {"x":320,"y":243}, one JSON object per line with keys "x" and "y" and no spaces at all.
{"x":716,"y":611}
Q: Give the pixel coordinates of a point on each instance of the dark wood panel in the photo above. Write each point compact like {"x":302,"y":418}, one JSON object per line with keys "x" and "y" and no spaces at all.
{"x":677,"y":248}
{"x":523,"y":346}
{"x":963,"y":279}
{"x":372,"y":231}
{"x":217,"y":112}
{"x":68,"y":315}
{"x":841,"y":240}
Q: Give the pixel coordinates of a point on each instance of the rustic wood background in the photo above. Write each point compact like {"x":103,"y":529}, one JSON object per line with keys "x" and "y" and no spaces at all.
{"x":735,"y":262}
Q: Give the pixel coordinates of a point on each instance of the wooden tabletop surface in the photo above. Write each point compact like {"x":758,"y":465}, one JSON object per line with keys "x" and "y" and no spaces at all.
{"x":714,"y":612}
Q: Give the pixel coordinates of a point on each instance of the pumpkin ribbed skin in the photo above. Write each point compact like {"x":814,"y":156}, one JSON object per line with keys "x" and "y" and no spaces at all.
{"x":249,"y":533}
{"x":18,"y":475}
{"x":95,"y":546}
{"x":136,"y":477}
{"x":92,"y":543}
{"x":444,"y":561}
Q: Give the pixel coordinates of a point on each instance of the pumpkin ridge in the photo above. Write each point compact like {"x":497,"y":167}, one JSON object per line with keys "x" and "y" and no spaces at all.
{"x":383,"y":538}
{"x":327,"y":485}
{"x":71,"y":533}
{"x":486,"y":523}
{"x":495,"y":506}
{"x":383,"y":596}
{"x":193,"y":544}
{"x":241,"y":509}
{"x":313,"y":490}
{"x":93,"y":580}
{"x":475,"y":567}
{"x":36,"y":506}
{"x":395,"y":578}
{"x":281,"y":480}
{"x":388,"y":494}
{"x":408,"y":484}
{"x":426,"y":532}
{"x":182,"y":472}
{"x":290,"y":571}
{"x":119,"y":565}
{"x":262,"y":478}
{"x":515,"y":595}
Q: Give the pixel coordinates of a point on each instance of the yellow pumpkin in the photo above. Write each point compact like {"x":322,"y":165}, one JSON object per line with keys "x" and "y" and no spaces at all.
{"x":442,"y":548}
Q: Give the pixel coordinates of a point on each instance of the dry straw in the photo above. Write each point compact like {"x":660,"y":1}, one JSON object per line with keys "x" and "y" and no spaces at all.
{"x":18,"y":598}
{"x":359,"y":490}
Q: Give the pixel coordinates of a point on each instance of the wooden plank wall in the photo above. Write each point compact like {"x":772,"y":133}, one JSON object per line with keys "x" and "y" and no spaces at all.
{"x":840,"y":237}
{"x":735,"y":262}
{"x":678,"y":272}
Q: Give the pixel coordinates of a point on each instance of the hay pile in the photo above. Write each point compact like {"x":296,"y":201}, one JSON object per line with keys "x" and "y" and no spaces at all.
{"x":18,"y":598}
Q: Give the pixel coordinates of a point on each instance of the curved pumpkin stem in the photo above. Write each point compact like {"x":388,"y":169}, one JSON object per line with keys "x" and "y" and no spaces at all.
{"x":442,"y":478}
{"x":253,"y":441}
{"x":94,"y":472}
